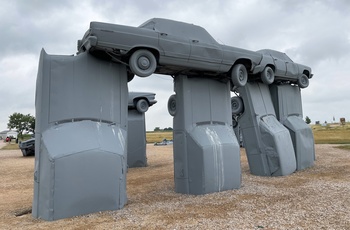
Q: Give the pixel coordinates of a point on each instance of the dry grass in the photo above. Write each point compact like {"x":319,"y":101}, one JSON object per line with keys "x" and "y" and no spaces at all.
{"x":331,"y":134}
{"x":152,"y":137}
{"x":10,"y":146}
{"x":315,"y":198}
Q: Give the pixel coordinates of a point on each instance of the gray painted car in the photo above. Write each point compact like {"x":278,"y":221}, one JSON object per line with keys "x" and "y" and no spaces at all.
{"x":141,"y":101}
{"x":28,"y":147}
{"x":169,"y":47}
{"x":164,"y":142}
{"x":279,"y":67}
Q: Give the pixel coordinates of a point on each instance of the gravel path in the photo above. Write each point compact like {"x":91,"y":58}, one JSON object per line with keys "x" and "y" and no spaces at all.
{"x":314,"y":198}
{"x":2,"y":143}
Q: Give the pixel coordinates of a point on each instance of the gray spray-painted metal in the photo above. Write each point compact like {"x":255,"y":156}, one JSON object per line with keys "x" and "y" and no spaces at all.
{"x":288,"y":106}
{"x":178,"y":46}
{"x":141,"y":101}
{"x":268,"y":144}
{"x":283,"y":68}
{"x":238,"y":133}
{"x":81,"y":126}
{"x":137,"y":128}
{"x":206,"y":151}
{"x":136,"y":139}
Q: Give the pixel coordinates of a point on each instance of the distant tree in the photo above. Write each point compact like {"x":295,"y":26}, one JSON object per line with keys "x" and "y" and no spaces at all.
{"x":21,"y":123}
{"x":156,"y":129}
{"x":31,"y":123}
{"x":168,"y":129}
{"x":307,"y":120}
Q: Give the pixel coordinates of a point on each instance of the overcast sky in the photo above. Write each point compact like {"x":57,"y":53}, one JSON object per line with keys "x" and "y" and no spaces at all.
{"x":312,"y":32}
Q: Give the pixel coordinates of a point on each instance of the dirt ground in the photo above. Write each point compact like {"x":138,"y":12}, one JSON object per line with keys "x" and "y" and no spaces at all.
{"x":315,"y":198}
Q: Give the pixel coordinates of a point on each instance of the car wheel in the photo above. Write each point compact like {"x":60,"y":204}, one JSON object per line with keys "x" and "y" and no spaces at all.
{"x":24,"y":152}
{"x":172,"y":105}
{"x":303,"y":81}
{"x":142,"y":105}
{"x":142,"y":63}
{"x":236,"y":105}
{"x":268,"y":75}
{"x":239,"y":75}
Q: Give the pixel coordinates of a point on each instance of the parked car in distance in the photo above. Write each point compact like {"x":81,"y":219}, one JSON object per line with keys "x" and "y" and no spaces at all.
{"x":28,"y":147}
{"x":141,"y":101}
{"x":279,"y":67}
{"x":164,"y":142}
{"x":169,"y":47}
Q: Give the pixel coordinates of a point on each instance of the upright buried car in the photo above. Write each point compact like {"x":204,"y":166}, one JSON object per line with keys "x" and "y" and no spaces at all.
{"x":279,"y":67}
{"x":169,"y":47}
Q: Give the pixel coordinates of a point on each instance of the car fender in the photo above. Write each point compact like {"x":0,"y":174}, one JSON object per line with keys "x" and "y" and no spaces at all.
{"x":234,"y":55}
{"x":303,"y":69}
{"x":155,"y":50}
{"x":266,"y":60}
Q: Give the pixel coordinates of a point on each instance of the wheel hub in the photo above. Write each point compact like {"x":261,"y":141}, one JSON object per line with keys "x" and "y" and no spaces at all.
{"x":143,"y":105}
{"x":173,"y":105}
{"x":234,"y":105}
{"x":268,"y":75}
{"x":143,"y":63}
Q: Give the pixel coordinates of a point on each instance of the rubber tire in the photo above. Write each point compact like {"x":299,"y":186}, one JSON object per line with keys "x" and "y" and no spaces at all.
{"x":172,"y":105}
{"x":145,"y":57}
{"x":239,"y":75}
{"x":142,"y":105}
{"x":303,"y":81}
{"x":268,"y":75}
{"x":24,"y":152}
{"x":237,"y":105}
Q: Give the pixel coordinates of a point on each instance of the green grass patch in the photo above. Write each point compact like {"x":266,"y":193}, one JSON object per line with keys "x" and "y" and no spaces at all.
{"x":13,"y":145}
{"x":10,"y":146}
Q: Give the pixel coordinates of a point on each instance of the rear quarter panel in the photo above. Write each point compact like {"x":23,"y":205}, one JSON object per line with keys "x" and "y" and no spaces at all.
{"x":232,"y":54}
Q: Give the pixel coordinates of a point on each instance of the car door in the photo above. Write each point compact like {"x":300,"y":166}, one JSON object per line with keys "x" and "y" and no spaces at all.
{"x":174,"y":47}
{"x":280,"y":67}
{"x":206,"y":55}
{"x":292,"y":69}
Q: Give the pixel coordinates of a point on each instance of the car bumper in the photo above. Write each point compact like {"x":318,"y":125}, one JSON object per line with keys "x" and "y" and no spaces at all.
{"x":86,"y":44}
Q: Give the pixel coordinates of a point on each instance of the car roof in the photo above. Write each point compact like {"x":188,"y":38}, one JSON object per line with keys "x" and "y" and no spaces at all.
{"x":180,"y":29}
{"x":275,"y":53}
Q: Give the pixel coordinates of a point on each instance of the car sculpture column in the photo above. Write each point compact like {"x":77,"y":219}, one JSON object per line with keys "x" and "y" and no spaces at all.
{"x":81,"y":132}
{"x":138,"y":105}
{"x":286,"y":99}
{"x":206,"y":151}
{"x":269,"y":99}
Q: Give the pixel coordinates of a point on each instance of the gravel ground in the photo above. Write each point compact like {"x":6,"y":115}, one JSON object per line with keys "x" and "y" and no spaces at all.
{"x":315,"y":198}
